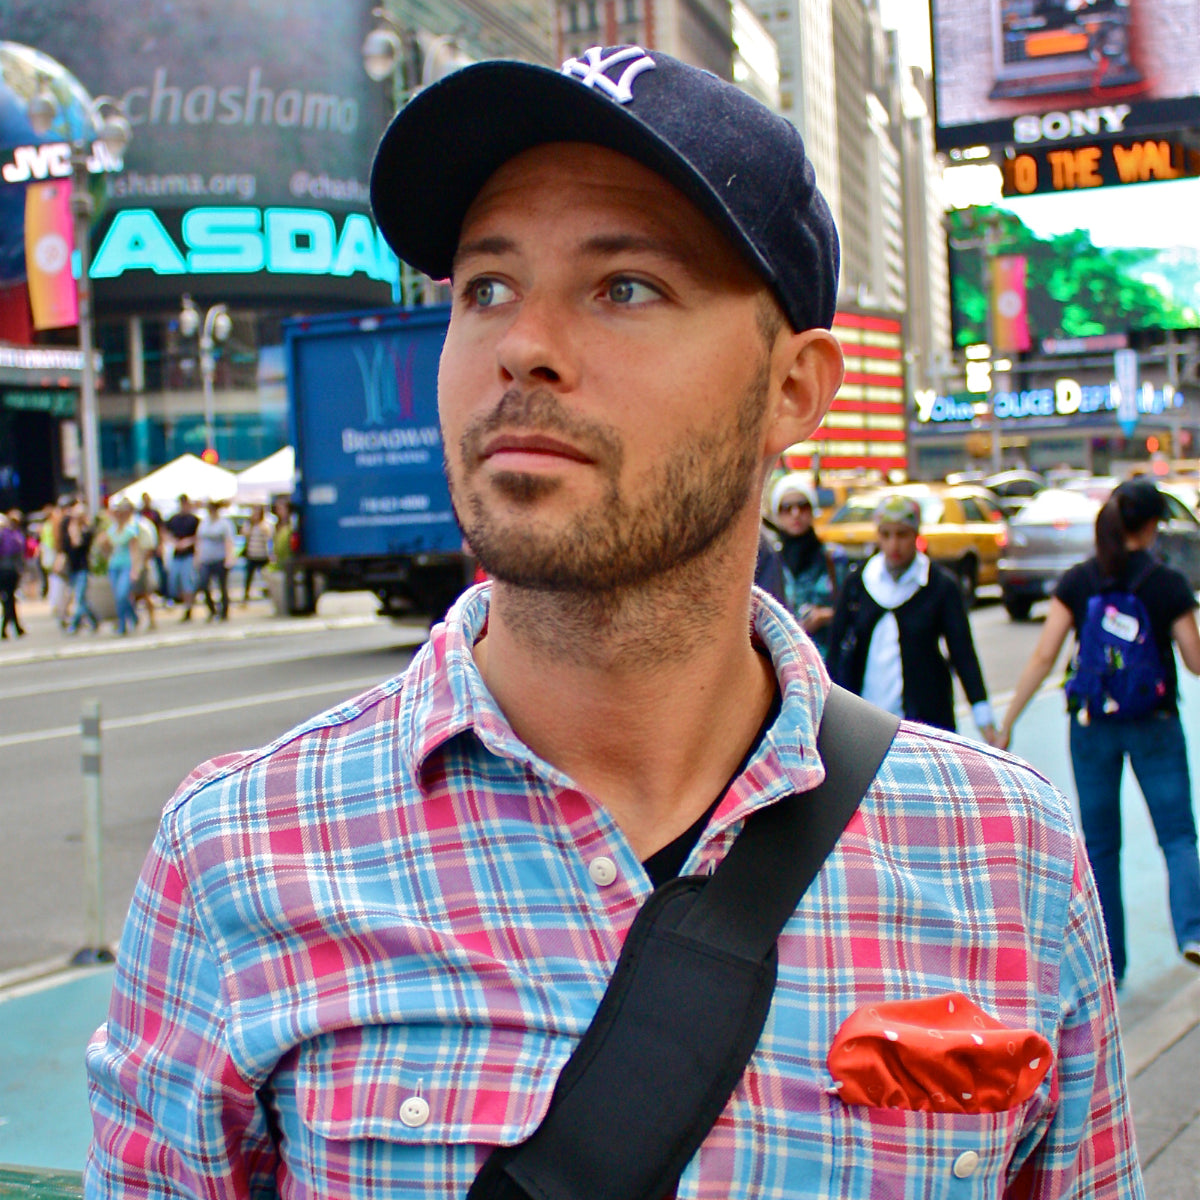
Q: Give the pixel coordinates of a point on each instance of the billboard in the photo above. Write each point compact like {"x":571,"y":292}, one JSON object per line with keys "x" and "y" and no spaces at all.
{"x":1097,"y":263}
{"x":250,"y":106}
{"x":1045,"y":72}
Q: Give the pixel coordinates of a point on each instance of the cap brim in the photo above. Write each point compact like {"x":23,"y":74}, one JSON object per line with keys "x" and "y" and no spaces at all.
{"x":450,"y":139}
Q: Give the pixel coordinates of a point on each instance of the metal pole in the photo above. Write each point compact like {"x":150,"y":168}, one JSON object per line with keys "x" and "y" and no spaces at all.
{"x":206,"y":374}
{"x":81,"y":204}
{"x":94,"y":950}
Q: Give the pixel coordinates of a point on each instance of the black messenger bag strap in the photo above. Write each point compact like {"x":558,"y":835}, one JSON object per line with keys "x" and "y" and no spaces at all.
{"x":689,"y":997}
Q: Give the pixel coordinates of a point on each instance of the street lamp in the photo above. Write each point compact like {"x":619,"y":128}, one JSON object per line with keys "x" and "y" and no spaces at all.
{"x":215,"y":325}
{"x":411,"y":60}
{"x":112,"y":128}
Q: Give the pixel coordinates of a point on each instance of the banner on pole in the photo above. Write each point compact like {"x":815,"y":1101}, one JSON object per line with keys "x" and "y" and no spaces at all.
{"x":49,"y":238}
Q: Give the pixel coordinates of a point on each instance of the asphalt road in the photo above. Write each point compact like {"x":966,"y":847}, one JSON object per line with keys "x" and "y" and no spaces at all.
{"x":165,"y":710}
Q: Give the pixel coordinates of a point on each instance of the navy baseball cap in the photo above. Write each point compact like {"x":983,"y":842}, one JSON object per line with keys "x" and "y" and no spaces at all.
{"x":742,"y":165}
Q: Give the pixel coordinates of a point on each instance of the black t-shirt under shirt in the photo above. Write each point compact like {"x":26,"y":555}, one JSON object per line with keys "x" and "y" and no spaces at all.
{"x":183,"y":525}
{"x":1165,"y":593}
{"x":665,"y":864}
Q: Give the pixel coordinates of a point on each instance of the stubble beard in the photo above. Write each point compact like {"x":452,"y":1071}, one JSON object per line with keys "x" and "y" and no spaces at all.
{"x":619,"y":545}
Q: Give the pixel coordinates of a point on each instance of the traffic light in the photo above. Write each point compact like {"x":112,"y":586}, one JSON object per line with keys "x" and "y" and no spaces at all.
{"x":210,"y":455}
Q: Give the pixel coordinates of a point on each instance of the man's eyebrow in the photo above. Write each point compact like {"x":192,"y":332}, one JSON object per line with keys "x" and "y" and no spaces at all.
{"x":493,"y":244}
{"x":604,"y":244}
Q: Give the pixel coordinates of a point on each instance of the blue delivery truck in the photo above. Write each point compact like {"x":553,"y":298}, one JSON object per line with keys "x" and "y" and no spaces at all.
{"x":371,"y":504}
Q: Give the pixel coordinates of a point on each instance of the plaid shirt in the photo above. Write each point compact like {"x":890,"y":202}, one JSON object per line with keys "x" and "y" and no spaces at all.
{"x":358,"y":958}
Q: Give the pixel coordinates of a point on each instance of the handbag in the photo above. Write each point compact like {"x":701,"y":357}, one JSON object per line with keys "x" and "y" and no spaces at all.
{"x":690,"y":994}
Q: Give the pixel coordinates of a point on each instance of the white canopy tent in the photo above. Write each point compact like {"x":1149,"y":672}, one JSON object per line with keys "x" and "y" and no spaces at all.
{"x":273,"y":476}
{"x":186,"y":476}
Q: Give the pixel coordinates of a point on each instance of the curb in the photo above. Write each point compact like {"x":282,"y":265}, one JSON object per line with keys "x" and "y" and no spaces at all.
{"x":270,"y":627}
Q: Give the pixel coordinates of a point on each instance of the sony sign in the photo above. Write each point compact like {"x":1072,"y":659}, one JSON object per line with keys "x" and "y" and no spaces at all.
{"x":1073,"y":123}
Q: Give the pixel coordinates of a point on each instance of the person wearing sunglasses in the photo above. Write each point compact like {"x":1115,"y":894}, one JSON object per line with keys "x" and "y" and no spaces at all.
{"x":810,"y":576}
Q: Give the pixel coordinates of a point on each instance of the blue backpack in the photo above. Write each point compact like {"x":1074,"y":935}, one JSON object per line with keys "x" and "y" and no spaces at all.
{"x":1117,"y":670}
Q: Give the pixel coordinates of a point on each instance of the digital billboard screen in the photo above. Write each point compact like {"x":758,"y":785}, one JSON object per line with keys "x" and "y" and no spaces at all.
{"x":1098,"y":262}
{"x":257,"y":106}
{"x":1041,"y":72}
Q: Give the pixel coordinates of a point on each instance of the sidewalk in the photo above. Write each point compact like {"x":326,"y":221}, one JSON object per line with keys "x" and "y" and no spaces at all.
{"x":44,"y":640}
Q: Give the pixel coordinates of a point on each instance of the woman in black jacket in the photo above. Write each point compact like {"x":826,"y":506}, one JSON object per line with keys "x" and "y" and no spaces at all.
{"x":889,"y":623}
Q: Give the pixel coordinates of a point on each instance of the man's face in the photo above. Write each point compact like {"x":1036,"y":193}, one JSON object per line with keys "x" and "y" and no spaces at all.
{"x":603,"y":379}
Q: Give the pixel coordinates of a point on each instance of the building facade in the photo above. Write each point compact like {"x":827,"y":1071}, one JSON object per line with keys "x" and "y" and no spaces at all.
{"x":696,"y":31}
{"x":245,"y":185}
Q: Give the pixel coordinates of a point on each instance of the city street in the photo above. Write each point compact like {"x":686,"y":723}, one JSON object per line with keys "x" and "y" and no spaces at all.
{"x":169,"y":703}
{"x":167,"y":707}
{"x":163,"y":711}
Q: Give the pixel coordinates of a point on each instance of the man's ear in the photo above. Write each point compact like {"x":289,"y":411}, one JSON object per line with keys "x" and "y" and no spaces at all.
{"x":812,"y":367}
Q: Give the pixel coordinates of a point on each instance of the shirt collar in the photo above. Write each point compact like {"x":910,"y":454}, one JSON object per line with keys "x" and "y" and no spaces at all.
{"x":445,"y":696}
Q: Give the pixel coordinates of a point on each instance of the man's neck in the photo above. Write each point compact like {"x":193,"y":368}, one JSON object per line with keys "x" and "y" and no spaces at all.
{"x":648,"y":701}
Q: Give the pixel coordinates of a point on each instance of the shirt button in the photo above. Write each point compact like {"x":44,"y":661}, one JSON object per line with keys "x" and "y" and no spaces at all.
{"x":966,"y":1164}
{"x":414,"y":1112}
{"x":603,"y":871}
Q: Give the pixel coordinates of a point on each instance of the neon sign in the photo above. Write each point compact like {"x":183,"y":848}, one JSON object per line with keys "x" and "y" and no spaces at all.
{"x":1066,"y":398}
{"x":237,"y":240}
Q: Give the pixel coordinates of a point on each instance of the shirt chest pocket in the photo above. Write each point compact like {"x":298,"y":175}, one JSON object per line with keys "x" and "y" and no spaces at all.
{"x":427,"y":1085}
{"x":907,"y":1155}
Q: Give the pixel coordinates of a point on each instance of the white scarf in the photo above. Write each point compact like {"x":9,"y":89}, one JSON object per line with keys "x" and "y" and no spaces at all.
{"x":883,"y":678}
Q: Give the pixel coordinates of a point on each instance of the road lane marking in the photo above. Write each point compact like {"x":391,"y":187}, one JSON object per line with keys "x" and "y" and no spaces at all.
{"x":347,"y":687}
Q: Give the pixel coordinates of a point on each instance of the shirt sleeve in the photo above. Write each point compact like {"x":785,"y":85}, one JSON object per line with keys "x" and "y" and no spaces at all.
{"x":1083,"y":1149}
{"x":172,"y":1115}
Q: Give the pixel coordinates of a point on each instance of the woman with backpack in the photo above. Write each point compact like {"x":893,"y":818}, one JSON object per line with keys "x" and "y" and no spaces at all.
{"x":1128,"y":611}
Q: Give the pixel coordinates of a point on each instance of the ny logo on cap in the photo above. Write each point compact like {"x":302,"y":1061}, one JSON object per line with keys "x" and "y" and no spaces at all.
{"x":594,"y":72}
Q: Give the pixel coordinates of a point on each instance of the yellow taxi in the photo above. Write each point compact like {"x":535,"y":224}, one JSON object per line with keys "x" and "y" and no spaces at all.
{"x":962,"y":527}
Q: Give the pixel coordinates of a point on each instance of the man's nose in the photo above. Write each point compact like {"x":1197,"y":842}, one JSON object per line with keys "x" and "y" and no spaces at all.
{"x":536,"y":347}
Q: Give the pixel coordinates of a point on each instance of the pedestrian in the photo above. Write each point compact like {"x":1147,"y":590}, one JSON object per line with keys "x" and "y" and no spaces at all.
{"x":119,"y":539}
{"x":76,"y":534}
{"x":360,"y":959}
{"x":181,"y":532}
{"x":147,"y":580}
{"x":12,"y":563}
{"x":892,"y":616}
{"x":1102,"y":736}
{"x":150,"y":514}
{"x":810,"y":572}
{"x":257,"y":547}
{"x":214,"y":554}
{"x":54,"y":583}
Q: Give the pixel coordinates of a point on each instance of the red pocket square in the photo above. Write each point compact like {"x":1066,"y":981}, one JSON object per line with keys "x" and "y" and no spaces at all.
{"x":940,"y":1054}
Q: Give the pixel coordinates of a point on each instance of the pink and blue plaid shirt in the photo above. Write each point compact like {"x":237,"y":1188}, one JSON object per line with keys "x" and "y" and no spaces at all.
{"x":358,"y":958}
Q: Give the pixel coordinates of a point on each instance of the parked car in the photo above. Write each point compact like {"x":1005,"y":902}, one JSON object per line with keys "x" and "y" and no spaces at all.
{"x":1057,"y":529}
{"x":1014,"y":489}
{"x":962,"y":527}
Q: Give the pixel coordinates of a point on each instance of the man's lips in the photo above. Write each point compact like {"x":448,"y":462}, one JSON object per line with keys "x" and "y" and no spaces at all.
{"x":532,"y":446}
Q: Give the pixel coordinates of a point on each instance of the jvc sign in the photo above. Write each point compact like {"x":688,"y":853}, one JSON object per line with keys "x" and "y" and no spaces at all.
{"x":52,"y":160}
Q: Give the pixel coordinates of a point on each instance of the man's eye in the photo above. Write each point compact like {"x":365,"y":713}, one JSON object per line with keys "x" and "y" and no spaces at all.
{"x":487,"y":293}
{"x":631,"y":291}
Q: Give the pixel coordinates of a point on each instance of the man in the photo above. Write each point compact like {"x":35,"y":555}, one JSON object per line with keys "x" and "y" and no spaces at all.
{"x":149,"y":513}
{"x":181,"y":529}
{"x":358,"y":959}
{"x":890,"y":621}
{"x":214,"y":555}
